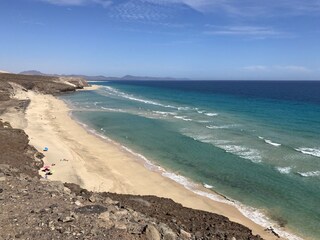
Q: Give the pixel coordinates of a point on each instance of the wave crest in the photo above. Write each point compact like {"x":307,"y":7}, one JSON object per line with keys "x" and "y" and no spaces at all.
{"x":309,"y":151}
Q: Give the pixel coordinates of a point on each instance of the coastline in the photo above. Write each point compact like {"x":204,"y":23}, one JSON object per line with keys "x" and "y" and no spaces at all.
{"x":99,"y":165}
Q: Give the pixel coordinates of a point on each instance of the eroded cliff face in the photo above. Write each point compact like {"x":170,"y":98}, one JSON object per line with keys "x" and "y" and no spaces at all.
{"x":35,"y":208}
{"x":78,"y":82}
{"x":44,"y":84}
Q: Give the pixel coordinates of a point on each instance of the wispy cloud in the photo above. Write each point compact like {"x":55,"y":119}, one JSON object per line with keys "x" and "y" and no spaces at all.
{"x":255,"y":68}
{"x":232,"y":7}
{"x":66,"y":2}
{"x":279,"y":68}
{"x":103,"y":3}
{"x":252,"y":7}
{"x":246,"y":31}
{"x":243,"y":30}
{"x":139,"y":10}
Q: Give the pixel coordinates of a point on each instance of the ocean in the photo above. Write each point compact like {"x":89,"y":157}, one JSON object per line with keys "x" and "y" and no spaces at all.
{"x":255,"y":142}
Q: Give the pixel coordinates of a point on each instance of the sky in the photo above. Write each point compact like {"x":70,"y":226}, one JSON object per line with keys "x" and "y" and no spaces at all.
{"x":195,"y":39}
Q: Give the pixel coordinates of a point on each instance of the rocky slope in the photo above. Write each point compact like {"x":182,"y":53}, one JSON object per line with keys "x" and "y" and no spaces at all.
{"x":35,"y":208}
{"x":44,"y":84}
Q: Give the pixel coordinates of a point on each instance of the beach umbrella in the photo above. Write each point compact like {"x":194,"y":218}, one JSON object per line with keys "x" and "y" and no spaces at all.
{"x":46,"y":149}
{"x":46,"y":168}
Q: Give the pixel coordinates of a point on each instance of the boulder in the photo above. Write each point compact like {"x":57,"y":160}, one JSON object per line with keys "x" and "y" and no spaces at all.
{"x":152,"y":233}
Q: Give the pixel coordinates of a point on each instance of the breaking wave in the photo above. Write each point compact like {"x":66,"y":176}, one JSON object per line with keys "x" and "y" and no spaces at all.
{"x":211,"y":114}
{"x":270,"y":142}
{"x":309,"y":174}
{"x":184,"y":118}
{"x":309,"y":151}
{"x":207,"y":186}
{"x":118,"y":93}
{"x":284,"y":170}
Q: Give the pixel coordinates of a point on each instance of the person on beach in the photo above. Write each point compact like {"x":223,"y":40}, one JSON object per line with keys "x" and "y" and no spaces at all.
{"x":47,"y":174}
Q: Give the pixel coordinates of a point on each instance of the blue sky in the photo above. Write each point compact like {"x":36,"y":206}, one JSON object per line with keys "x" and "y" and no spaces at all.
{"x":197,"y":39}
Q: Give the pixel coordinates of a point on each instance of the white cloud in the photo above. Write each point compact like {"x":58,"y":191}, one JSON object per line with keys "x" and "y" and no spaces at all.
{"x":255,"y":68}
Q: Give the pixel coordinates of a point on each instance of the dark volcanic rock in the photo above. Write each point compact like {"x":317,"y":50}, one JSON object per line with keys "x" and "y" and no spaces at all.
{"x":16,"y":152}
{"x":91,"y":209}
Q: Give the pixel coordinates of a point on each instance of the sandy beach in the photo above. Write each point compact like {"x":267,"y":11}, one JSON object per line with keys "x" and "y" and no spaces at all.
{"x":96,"y":164}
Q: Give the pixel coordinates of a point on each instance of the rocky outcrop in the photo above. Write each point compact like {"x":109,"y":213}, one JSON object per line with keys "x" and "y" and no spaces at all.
{"x":44,"y":84}
{"x":16,"y":153}
{"x":78,"y":82}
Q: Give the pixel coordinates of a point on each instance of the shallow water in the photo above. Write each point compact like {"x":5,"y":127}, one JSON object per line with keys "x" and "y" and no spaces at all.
{"x":255,"y":142}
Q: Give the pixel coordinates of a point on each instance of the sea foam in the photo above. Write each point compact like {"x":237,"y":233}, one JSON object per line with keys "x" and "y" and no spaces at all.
{"x":243,"y":152}
{"x":284,"y":170}
{"x":184,"y":118}
{"x":207,"y":186}
{"x":118,"y":93}
{"x":309,"y":174}
{"x":211,"y":114}
{"x":251,"y":213}
{"x":309,"y":151}
{"x":270,"y":142}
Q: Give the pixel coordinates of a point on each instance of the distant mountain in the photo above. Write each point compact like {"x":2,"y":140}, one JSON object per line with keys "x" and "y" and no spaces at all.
{"x":33,"y":72}
{"x":104,"y":78}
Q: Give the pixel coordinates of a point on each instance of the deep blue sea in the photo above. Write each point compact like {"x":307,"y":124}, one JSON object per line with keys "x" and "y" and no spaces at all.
{"x":256,"y":142}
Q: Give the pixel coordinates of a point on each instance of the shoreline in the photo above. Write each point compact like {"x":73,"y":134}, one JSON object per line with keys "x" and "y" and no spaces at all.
{"x":95,"y":164}
{"x":202,"y":190}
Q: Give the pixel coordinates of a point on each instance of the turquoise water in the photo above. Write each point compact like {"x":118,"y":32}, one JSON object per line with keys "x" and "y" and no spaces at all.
{"x":257,"y":143}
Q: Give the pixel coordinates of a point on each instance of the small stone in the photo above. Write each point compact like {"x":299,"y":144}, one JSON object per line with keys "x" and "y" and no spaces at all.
{"x":152,"y":233}
{"x":2,"y":179}
{"x":109,"y":201}
{"x":105,"y":220}
{"x":199,"y":235}
{"x":233,"y":238}
{"x":66,"y":219}
{"x":67,"y":190}
{"x":105,"y":216}
{"x":185,"y":235}
{"x":78,"y":203}
{"x":121,"y":226}
{"x":120,"y":214}
{"x":92,"y":199}
{"x":1,"y":190}
{"x":169,"y":236}
{"x":135,"y":228}
{"x":19,"y":235}
{"x":113,"y":209}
